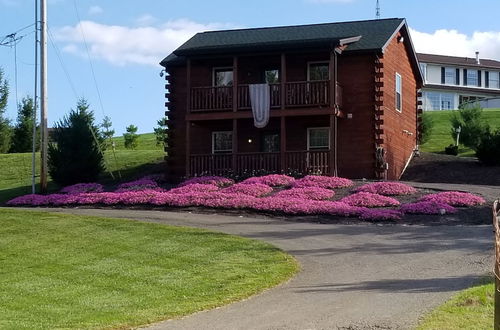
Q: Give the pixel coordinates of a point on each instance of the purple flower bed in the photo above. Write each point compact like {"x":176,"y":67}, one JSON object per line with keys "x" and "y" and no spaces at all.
{"x":313,"y":193}
{"x":427,"y":207}
{"x":366,"y":199}
{"x":326,"y":182}
{"x":250,"y":189}
{"x":454,"y":198}
{"x":82,"y":188}
{"x":374,"y":214}
{"x":140,"y":184}
{"x":272,"y":180}
{"x":195,"y":187}
{"x":387,"y":188}
{"x":218,"y":181}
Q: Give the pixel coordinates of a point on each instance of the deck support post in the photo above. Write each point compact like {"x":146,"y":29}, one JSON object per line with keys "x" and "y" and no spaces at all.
{"x":333,"y":146}
{"x":188,"y":123}
{"x":235,"y":145}
{"x":188,"y":149}
{"x":235,"y":83}
{"x":283,"y":144}
{"x":282,"y":77}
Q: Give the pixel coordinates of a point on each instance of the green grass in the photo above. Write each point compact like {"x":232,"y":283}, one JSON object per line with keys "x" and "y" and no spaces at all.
{"x":441,"y":133}
{"x":64,"y":271}
{"x":470,"y":309}
{"x":15,"y":173}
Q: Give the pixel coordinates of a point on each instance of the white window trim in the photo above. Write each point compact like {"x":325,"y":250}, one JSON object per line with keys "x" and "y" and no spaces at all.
{"x":308,"y":137}
{"x":396,"y":93}
{"x":454,"y":75}
{"x":213,"y":142}
{"x":225,"y":68}
{"x":316,"y":62}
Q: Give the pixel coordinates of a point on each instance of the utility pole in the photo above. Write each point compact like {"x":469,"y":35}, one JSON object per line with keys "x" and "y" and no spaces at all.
{"x":35,"y":107}
{"x":377,"y":10}
{"x":43,"y":100}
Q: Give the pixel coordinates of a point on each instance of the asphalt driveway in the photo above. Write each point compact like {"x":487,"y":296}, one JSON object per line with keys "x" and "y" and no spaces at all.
{"x":364,"y":276}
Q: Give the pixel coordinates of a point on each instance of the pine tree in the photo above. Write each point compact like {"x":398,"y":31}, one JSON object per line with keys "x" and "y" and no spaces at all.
{"x":5,"y":128}
{"x":107,"y":133}
{"x":131,"y":138}
{"x":161,"y":132}
{"x":22,"y":138}
{"x":73,"y":153}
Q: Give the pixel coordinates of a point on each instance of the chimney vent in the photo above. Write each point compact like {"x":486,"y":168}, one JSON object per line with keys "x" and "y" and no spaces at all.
{"x":477,"y":58}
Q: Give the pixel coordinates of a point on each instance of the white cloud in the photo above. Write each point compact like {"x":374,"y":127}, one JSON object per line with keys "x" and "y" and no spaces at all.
{"x":146,"y":20}
{"x":122,"y":45}
{"x":95,"y":10}
{"x":454,"y":43}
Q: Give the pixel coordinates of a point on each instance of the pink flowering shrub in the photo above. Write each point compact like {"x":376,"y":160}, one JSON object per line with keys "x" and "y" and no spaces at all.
{"x":213,"y":180}
{"x":367,"y":199}
{"x":250,"y":189}
{"x":427,"y":207}
{"x":314,"y":193}
{"x":140,"y":184}
{"x":273,"y":180}
{"x":326,"y":182}
{"x":378,"y":214}
{"x":387,"y":188}
{"x":195,"y":187}
{"x":82,"y":188}
{"x":454,"y":198}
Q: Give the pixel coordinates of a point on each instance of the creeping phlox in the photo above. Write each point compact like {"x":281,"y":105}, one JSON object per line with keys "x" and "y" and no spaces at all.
{"x":387,"y":188}
{"x":272,"y":180}
{"x":455,"y":198}
{"x":367,"y":199}
{"x":327,"y":182}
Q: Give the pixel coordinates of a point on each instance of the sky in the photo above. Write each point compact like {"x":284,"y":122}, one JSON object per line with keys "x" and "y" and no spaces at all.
{"x":108,"y":51}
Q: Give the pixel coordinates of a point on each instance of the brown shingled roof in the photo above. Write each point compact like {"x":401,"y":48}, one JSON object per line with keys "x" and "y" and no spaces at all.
{"x":459,"y":61}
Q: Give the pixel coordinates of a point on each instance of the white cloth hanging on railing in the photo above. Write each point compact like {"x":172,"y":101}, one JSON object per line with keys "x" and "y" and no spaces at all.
{"x":260,"y":99}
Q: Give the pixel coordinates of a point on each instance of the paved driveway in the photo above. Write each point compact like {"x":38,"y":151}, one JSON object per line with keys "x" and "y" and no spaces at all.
{"x":353,"y":276}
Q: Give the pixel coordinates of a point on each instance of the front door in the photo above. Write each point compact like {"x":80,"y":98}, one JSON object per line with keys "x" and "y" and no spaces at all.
{"x":270,"y":142}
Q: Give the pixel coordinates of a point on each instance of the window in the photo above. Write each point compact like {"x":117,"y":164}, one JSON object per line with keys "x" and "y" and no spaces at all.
{"x":450,"y":76}
{"x":222,"y":142}
{"x":399,"y":92}
{"x":439,"y":101}
{"x":493,"y":80}
{"x":272,"y":76}
{"x":472,"y":78}
{"x":270,"y":142}
{"x":223,"y":77}
{"x":318,"y":138}
{"x":318,"y":71}
{"x":423,"y":69}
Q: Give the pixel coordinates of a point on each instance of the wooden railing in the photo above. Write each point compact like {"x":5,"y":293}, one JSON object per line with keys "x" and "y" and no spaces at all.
{"x":305,"y":162}
{"x":297,"y":94}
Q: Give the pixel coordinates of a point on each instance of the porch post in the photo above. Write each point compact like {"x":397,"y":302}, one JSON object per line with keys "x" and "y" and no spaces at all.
{"x":283,"y":81}
{"x":235,"y":145}
{"x":235,"y":83}
{"x":283,"y":144}
{"x":188,"y":148}
{"x":333,"y":146}
{"x":332,"y":67}
{"x":188,"y":85}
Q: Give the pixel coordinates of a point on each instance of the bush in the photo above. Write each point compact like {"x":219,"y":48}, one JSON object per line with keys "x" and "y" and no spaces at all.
{"x":426,"y":127}
{"x":468,"y":118}
{"x":451,"y":150}
{"x":73,"y":154}
{"x":488,"y":150}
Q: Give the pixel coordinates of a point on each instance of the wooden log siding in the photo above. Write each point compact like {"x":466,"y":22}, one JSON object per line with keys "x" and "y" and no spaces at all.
{"x":305,"y":162}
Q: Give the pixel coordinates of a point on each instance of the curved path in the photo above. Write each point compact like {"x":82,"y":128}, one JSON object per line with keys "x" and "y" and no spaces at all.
{"x":353,"y":276}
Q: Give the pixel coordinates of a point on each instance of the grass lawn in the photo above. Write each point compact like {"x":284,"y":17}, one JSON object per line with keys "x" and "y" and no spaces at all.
{"x":469,"y":309}
{"x":65,"y":271}
{"x":15,"y":174}
{"x":441,"y":136}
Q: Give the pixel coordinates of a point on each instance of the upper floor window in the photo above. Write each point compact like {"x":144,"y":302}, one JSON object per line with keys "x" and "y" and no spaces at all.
{"x":493,"y":80}
{"x":272,"y":76}
{"x":450,"y":76}
{"x":472,"y":78}
{"x":222,"y":141}
{"x":399,"y":92}
{"x":318,"y":71}
{"x":423,"y":69}
{"x":223,"y":77}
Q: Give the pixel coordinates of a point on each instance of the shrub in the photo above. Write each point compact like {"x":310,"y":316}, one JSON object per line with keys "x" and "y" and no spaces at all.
{"x":387,"y":188}
{"x":451,"y":150}
{"x":131,"y":139}
{"x":327,"y":182}
{"x":426,"y":127}
{"x":468,"y":118}
{"x":73,"y":154}
{"x":427,"y":207}
{"x":488,"y":150}
{"x":273,"y":180}
{"x":313,"y":193}
{"x":454,"y":198}
{"x":366,"y":199}
{"x":5,"y":128}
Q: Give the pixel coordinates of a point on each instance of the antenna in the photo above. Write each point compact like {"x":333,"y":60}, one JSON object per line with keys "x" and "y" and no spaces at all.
{"x":377,"y":10}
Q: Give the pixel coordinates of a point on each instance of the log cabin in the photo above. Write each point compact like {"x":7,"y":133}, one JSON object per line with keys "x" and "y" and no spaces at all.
{"x":342,"y":99}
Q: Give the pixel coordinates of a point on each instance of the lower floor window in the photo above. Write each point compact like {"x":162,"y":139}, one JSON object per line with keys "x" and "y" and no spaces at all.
{"x":222,"y":141}
{"x":439,"y":101}
{"x":318,"y":138}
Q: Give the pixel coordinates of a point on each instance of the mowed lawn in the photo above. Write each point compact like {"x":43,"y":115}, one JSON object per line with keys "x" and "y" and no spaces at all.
{"x":470,"y":309}
{"x":15,"y":173}
{"x":65,"y":271}
{"x":441,"y":134}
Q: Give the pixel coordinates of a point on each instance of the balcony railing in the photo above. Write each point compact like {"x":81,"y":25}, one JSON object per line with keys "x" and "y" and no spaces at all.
{"x":305,"y":162}
{"x":297,"y":94}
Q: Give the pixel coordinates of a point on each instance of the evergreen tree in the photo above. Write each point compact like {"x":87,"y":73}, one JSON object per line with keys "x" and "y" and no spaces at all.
{"x":22,"y":138}
{"x":73,"y":153}
{"x":5,"y":128}
{"x":161,"y":132}
{"x":131,"y":138}
{"x":107,"y":133}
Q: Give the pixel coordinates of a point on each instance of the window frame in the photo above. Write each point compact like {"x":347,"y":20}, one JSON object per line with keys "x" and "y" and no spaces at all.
{"x":400,"y":92}
{"x":469,"y":71}
{"x":272,"y":69}
{"x":493,"y":74}
{"x":453,"y":76}
{"x":327,"y":63}
{"x":214,"y":133}
{"x":221,"y":68}
{"x":309,"y":129}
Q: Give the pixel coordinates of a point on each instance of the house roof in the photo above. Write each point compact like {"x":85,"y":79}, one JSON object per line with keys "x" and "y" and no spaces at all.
{"x":458,"y":61}
{"x":375,"y":35}
{"x":470,"y":90}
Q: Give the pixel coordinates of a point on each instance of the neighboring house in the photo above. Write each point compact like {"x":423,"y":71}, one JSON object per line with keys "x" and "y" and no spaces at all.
{"x":451,"y":81}
{"x":343,"y":99}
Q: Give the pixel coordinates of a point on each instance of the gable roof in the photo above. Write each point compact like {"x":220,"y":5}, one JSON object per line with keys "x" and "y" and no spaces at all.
{"x":458,"y":61}
{"x":375,"y":35}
